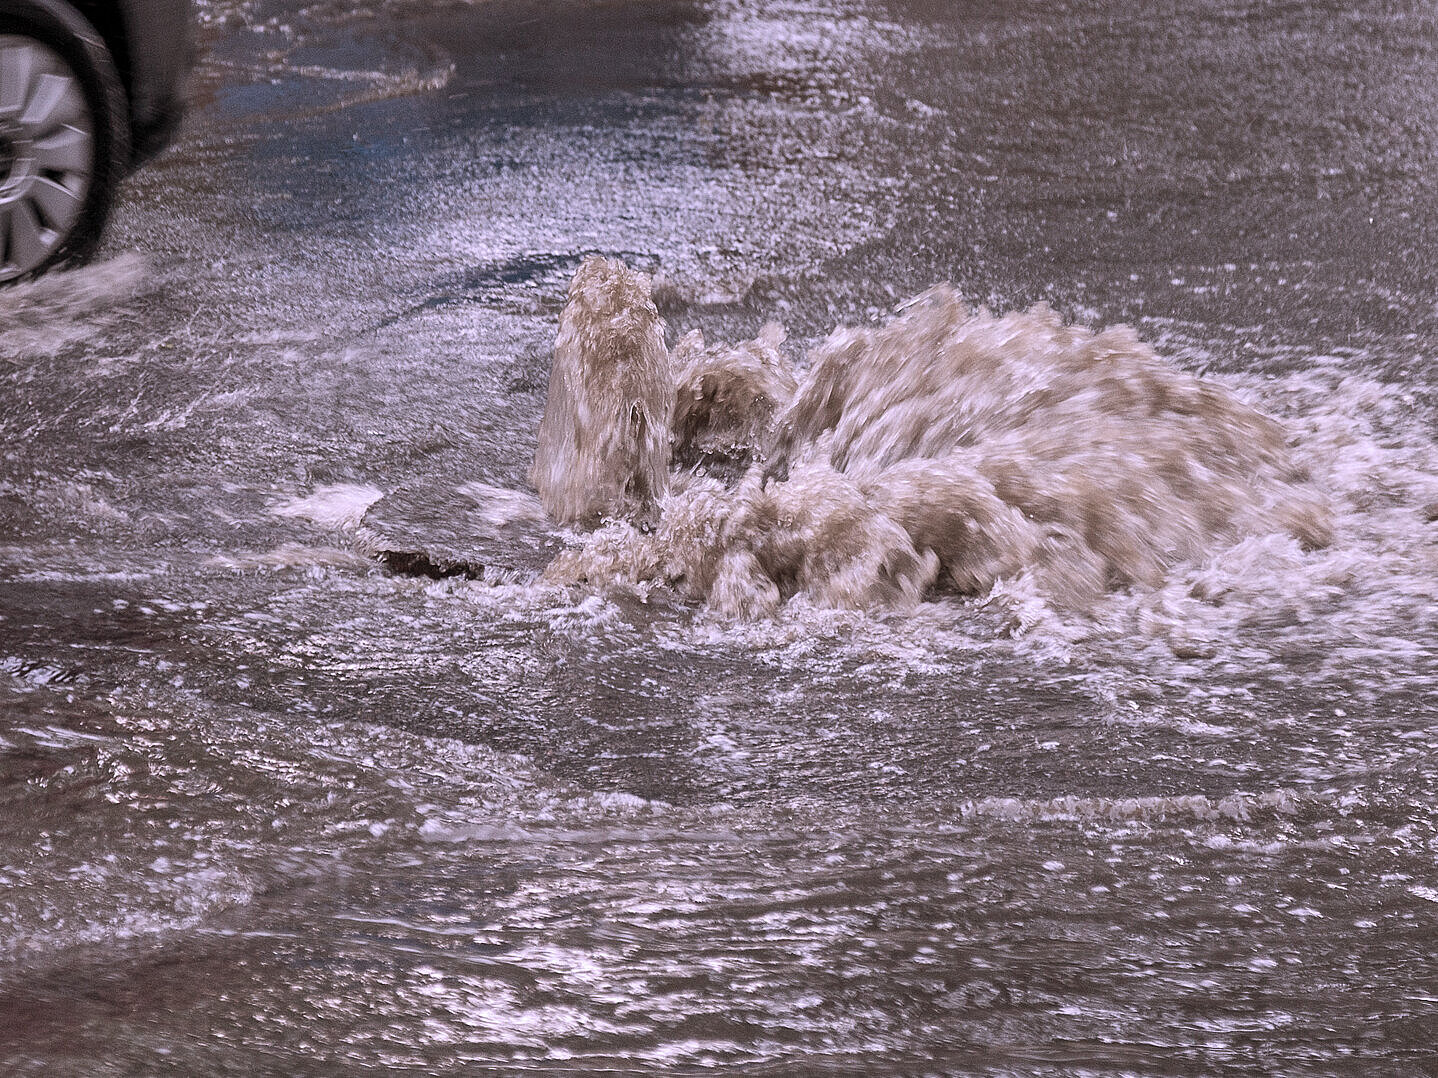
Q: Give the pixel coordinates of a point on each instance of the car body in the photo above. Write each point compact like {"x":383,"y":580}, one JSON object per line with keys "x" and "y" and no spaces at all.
{"x":89,"y":91}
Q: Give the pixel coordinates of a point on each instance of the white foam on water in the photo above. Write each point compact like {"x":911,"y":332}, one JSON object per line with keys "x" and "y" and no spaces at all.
{"x":1367,"y":599}
{"x":339,"y":506}
{"x":499,"y":506}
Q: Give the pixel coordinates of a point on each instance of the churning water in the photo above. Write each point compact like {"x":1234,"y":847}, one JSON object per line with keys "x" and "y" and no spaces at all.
{"x":947,"y":449}
{"x":933,"y":686}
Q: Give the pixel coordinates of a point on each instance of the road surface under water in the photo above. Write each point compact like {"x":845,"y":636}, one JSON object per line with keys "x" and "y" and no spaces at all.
{"x":272,"y":809}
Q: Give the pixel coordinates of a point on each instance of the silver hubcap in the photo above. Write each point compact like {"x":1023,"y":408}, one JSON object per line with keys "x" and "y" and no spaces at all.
{"x":47,"y":138}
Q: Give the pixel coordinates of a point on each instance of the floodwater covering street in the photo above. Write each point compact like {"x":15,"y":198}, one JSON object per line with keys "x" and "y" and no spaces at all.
{"x":274,"y":806}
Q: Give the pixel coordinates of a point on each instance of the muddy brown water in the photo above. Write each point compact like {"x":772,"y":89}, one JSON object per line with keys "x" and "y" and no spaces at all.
{"x":273,"y":809}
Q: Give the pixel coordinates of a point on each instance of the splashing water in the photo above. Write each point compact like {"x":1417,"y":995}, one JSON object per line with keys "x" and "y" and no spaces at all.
{"x":603,"y":440}
{"x":947,"y":450}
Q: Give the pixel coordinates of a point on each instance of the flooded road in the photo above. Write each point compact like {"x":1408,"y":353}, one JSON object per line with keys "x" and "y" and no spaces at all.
{"x":274,"y":809}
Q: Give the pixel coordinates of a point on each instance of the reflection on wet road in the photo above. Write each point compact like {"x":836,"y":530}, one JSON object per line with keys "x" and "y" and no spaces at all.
{"x":272,"y":809}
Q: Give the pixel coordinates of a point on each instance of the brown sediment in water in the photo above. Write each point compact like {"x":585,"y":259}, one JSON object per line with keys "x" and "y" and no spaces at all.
{"x":950,"y":448}
{"x":726,"y":400}
{"x":604,"y":439}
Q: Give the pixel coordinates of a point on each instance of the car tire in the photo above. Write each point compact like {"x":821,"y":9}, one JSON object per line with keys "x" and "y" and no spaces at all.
{"x":64,"y":137}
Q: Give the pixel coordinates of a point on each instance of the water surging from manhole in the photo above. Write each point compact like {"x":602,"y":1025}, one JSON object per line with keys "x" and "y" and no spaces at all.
{"x":945,"y":450}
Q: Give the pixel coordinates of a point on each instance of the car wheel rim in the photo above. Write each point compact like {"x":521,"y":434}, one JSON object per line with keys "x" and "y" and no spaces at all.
{"x":47,"y":139}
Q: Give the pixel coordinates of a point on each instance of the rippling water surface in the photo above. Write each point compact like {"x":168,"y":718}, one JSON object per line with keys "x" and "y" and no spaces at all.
{"x":273,"y":809}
